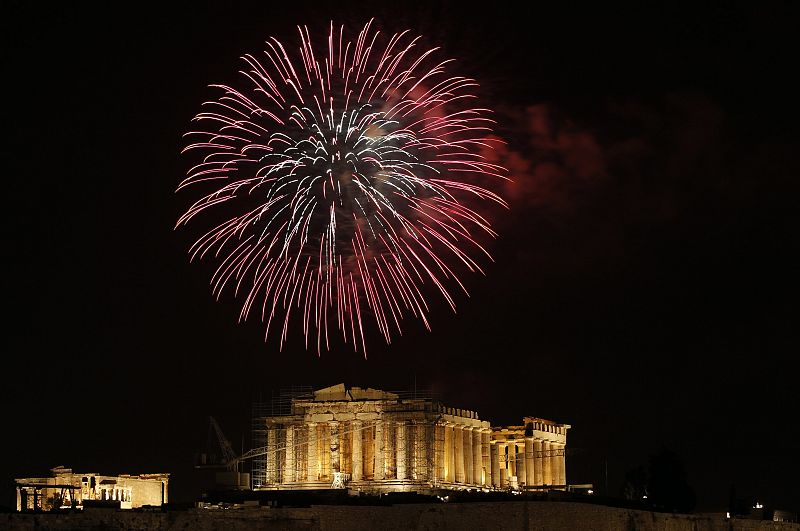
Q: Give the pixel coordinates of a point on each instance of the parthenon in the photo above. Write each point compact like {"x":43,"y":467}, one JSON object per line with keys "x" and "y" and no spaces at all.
{"x":376,"y":441}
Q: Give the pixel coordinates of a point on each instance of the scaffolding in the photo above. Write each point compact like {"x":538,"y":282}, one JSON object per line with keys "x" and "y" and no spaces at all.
{"x":268,"y":467}
{"x":265,"y":468}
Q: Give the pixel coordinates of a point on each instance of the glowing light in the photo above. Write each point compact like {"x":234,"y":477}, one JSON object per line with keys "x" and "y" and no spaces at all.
{"x":341,"y":184}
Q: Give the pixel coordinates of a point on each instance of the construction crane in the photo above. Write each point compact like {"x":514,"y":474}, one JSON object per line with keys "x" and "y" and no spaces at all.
{"x":228,"y":455}
{"x":227,"y":474}
{"x":231,"y":461}
{"x":228,"y":458}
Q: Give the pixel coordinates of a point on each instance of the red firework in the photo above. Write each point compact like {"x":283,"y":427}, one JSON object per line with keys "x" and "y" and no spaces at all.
{"x":345,"y":182}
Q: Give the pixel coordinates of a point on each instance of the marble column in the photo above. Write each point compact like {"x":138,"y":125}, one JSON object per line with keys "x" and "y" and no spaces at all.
{"x":477,"y":461}
{"x":379,"y":451}
{"x":450,"y":449}
{"x":438,"y":452}
{"x":358,"y":463}
{"x":494,"y":450}
{"x":554,"y":462}
{"x":368,"y":450}
{"x":560,"y":461}
{"x":344,"y":438}
{"x":422,"y":468}
{"x":467,"y":454}
{"x":312,"y":471}
{"x":512,"y":458}
{"x":390,"y":454}
{"x":522,"y":471}
{"x":334,"y":447}
{"x":459,"y":453}
{"x":271,"y":454}
{"x":538,"y":462}
{"x":487,"y":464}
{"x":548,"y":463}
{"x":288,"y":468}
{"x":530,"y":475}
{"x":400,"y":447}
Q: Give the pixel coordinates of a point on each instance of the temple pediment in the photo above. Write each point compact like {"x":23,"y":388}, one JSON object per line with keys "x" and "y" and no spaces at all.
{"x":340,"y":392}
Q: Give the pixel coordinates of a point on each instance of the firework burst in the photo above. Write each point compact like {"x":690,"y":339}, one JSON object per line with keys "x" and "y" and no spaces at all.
{"x":344,"y":180}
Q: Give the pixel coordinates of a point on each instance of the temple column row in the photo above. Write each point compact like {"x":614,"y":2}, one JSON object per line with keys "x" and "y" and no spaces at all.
{"x":548,"y":463}
{"x":406,"y":452}
{"x":535,"y":462}
{"x":461,"y":454}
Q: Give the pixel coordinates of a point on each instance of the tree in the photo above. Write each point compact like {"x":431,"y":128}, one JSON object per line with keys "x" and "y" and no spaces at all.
{"x":667,"y":487}
{"x":635,"y":487}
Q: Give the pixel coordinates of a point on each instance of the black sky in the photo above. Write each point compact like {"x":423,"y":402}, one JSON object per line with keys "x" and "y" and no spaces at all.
{"x":642,"y":288}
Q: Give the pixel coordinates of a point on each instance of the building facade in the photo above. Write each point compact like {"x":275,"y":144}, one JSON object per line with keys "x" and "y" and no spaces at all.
{"x":376,"y":441}
{"x":67,"y":489}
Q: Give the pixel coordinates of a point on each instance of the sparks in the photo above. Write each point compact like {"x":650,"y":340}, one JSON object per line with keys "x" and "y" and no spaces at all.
{"x":345,"y":181}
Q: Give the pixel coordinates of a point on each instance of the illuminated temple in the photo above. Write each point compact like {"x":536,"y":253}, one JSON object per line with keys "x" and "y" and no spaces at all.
{"x":66,"y":489}
{"x":376,"y":441}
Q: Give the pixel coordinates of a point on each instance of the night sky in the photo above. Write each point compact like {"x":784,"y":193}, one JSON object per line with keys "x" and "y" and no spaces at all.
{"x":642,"y":283}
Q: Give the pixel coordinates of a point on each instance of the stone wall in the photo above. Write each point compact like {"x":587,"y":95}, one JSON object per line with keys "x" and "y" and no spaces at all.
{"x":532,"y":516}
{"x":146,"y":492}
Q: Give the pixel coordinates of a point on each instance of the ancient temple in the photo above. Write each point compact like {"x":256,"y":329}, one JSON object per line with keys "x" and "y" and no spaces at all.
{"x":377,"y":441}
{"x":67,"y":489}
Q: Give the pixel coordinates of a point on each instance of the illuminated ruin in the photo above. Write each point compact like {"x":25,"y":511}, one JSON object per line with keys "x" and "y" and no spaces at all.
{"x":376,"y":441}
{"x":66,"y":489}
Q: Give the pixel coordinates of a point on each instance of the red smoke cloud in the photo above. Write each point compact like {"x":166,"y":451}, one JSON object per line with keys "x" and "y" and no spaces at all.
{"x":653,"y":157}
